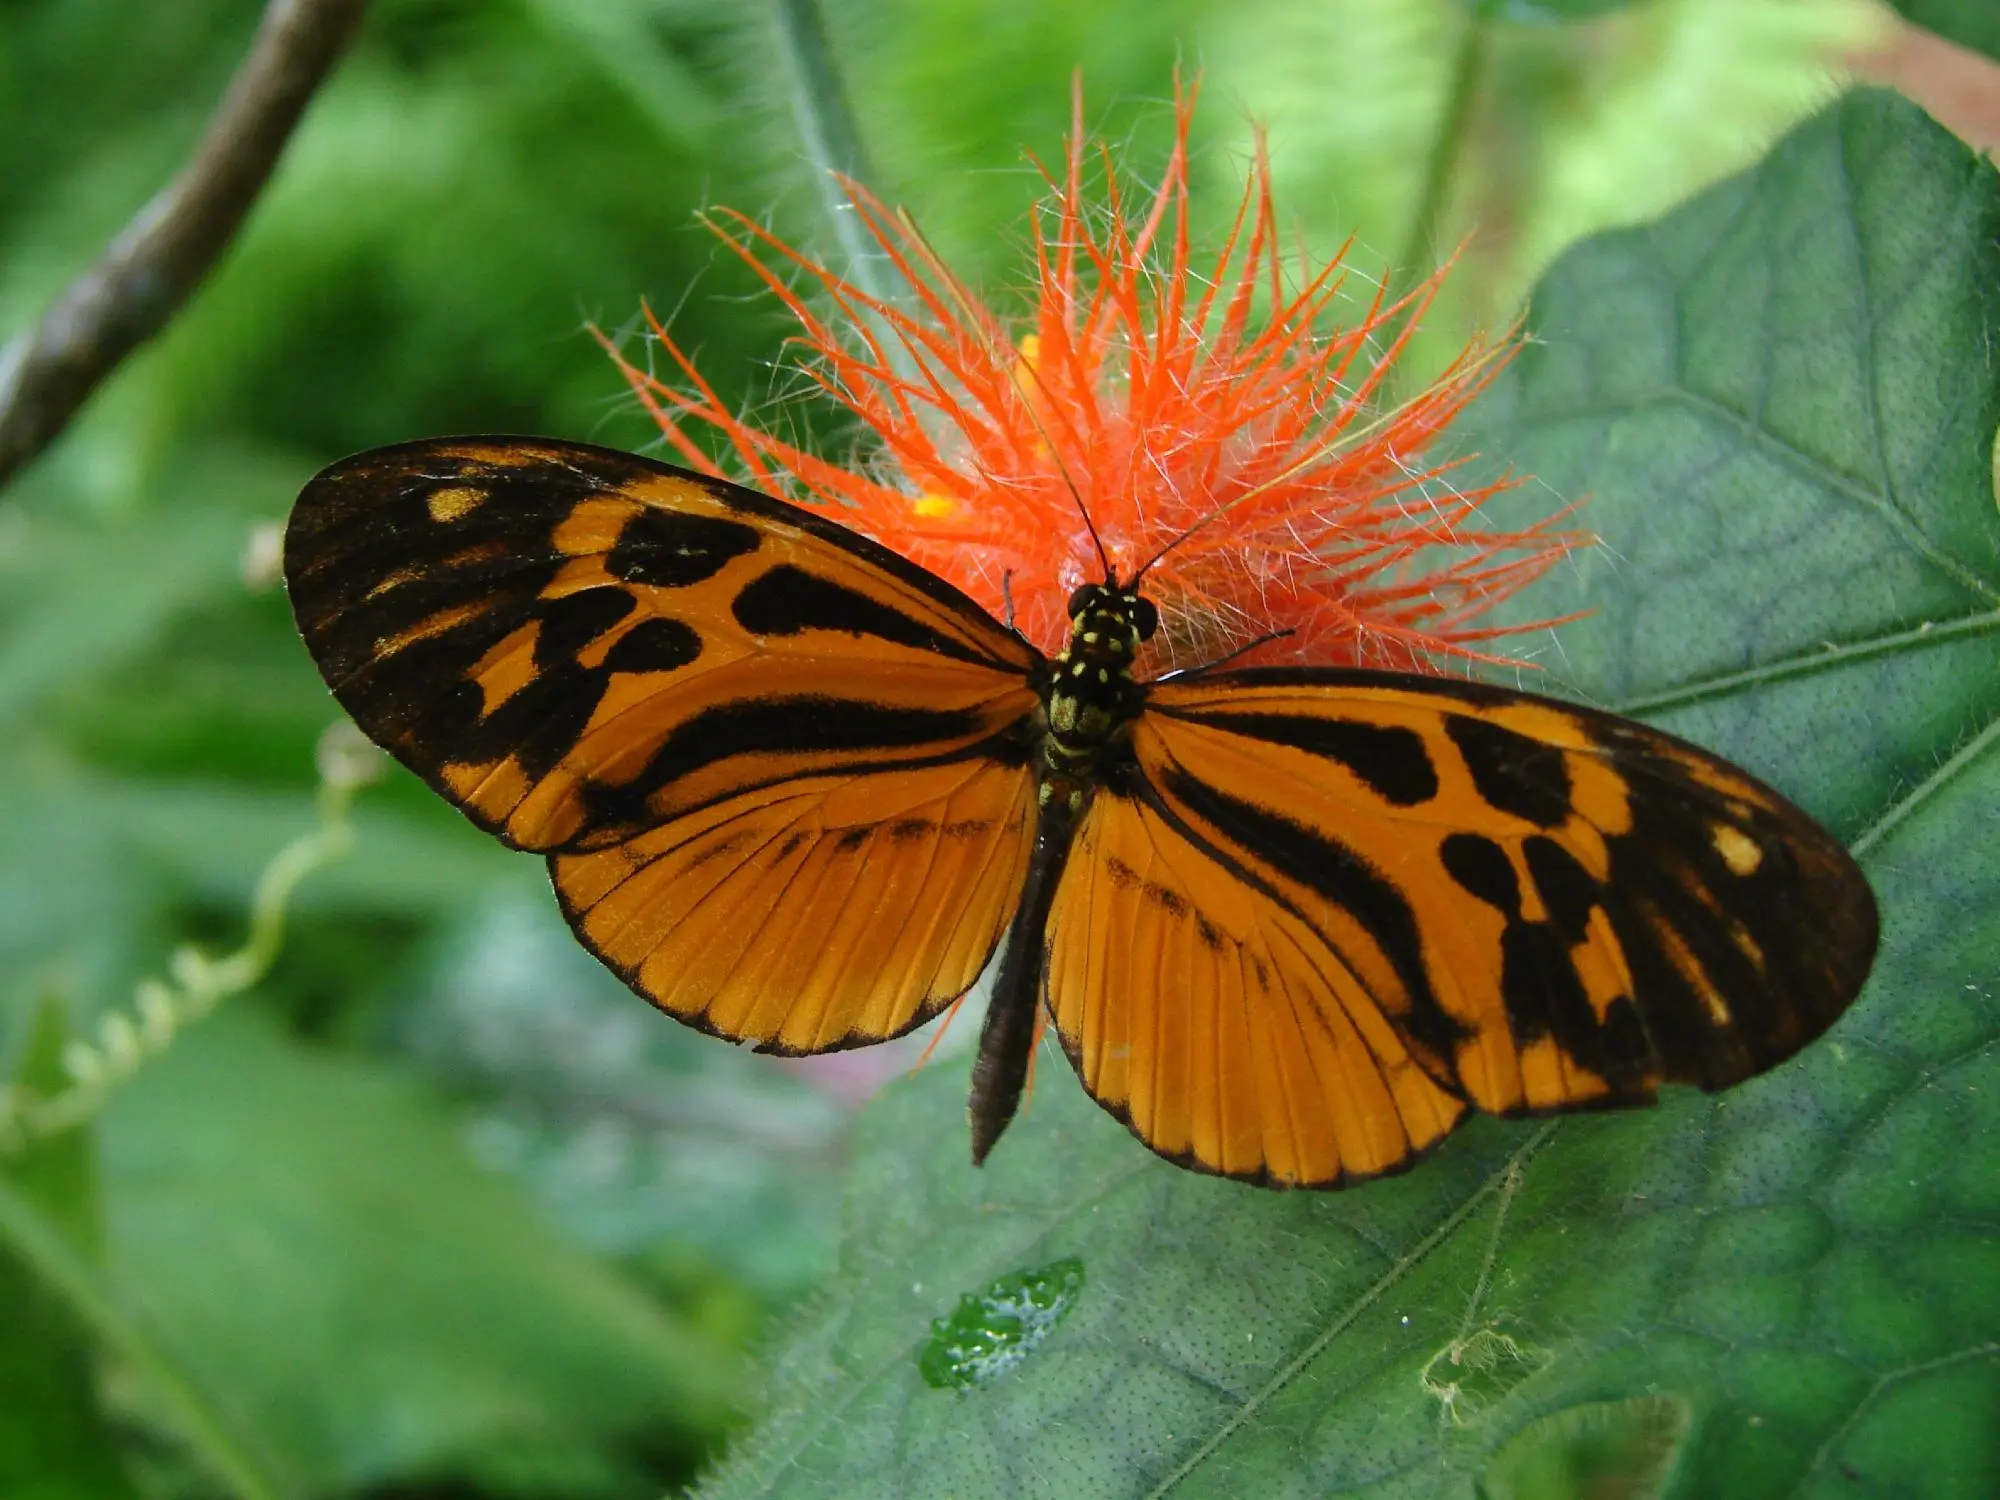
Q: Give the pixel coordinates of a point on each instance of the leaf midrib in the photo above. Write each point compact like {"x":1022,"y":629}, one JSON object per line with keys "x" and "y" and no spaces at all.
{"x":1811,"y":466}
{"x":1809,"y":663}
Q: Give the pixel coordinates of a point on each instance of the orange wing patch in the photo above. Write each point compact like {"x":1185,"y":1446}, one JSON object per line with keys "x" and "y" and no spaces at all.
{"x":1554,"y":907}
{"x":819,"y":914}
{"x":1217,"y":1023}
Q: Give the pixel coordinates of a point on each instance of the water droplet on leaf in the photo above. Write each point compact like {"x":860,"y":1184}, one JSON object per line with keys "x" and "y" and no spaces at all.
{"x":992,"y":1331}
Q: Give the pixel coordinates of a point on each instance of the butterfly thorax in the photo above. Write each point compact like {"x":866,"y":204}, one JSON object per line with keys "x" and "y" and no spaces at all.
{"x":1090,"y":694}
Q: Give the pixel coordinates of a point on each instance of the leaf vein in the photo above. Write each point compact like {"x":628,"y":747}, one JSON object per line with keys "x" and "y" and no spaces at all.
{"x":1508,"y":1172}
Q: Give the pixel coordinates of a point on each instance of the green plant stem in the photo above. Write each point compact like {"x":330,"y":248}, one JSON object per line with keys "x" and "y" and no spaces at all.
{"x":1468,"y":71}
{"x":199,"y":985}
{"x":830,"y":138}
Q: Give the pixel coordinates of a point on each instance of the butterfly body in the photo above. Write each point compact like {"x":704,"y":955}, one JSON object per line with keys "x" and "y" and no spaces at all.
{"x":1089,"y":697}
{"x":1289,"y":924}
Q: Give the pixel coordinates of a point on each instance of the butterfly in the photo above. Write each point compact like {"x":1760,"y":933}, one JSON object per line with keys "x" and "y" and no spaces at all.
{"x":1290,"y":924}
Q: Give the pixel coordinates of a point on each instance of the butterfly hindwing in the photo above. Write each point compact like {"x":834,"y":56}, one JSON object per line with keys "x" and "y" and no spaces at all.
{"x":1216,"y":1022}
{"x":822,"y":913}
{"x":715,"y":711}
{"x":1546,"y":906}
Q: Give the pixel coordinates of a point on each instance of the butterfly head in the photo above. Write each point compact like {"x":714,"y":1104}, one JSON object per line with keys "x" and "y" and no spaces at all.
{"x":1105,"y":612}
{"x":1091,"y":694}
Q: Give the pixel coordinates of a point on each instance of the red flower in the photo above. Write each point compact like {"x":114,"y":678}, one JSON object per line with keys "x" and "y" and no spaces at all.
{"x":1219,"y":441}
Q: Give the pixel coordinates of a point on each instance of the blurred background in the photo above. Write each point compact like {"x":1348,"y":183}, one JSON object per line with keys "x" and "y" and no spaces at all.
{"x":435,"y":1207}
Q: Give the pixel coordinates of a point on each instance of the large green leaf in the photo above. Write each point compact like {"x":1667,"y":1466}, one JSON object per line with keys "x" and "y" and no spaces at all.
{"x":1970,"y":23}
{"x":634,"y":1133}
{"x":1782,"y":401}
{"x":307,"y":1240}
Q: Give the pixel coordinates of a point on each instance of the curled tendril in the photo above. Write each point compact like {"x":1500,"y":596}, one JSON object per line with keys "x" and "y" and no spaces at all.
{"x":195,"y":983}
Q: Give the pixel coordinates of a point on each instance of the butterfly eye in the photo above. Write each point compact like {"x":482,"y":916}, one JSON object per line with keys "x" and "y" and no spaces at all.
{"x":1145,"y":618}
{"x":1087,"y":596}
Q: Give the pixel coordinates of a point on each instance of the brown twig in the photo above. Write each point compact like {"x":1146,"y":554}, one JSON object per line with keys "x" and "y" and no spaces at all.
{"x":158,"y":259}
{"x":1960,"y":88}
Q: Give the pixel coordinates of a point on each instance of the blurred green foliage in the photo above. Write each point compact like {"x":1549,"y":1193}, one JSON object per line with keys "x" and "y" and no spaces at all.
{"x":1970,"y":23}
{"x":439,"y":1208}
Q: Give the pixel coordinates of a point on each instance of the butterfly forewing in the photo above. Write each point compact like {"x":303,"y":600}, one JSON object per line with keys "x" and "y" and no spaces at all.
{"x":573,"y":644}
{"x":783,"y":772}
{"x":1551,"y":907}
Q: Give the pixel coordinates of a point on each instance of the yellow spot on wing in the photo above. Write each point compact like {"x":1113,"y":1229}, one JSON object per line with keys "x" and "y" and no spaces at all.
{"x":1738,"y":850}
{"x":930,"y":507}
{"x":454,"y":503}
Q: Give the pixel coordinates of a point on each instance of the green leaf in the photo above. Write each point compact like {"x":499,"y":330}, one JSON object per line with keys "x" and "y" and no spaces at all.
{"x":311,"y":1243}
{"x":1970,"y":23}
{"x":634,"y":1133}
{"x":1778,"y":405}
{"x":1782,"y":401}
{"x":58,"y":1175}
{"x":69,"y":1321}
{"x":1604,"y":1450}
{"x":54,"y":1441}
{"x":1547,"y":10}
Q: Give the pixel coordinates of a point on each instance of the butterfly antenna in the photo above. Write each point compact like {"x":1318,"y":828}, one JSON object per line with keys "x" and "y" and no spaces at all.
{"x":1244,"y":650}
{"x":973,"y":318}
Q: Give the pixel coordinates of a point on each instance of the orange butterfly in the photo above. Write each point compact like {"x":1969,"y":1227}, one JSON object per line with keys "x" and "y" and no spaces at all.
{"x":1290,"y":924}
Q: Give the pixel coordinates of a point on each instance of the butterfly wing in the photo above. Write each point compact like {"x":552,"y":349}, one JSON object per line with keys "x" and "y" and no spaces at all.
{"x":779,"y":771}
{"x":1215,"y":1020}
{"x":1389,"y":894}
